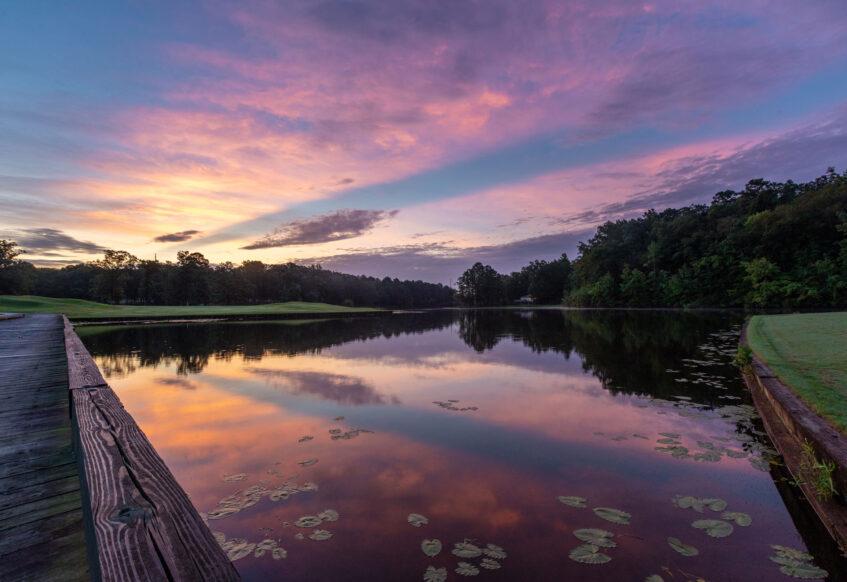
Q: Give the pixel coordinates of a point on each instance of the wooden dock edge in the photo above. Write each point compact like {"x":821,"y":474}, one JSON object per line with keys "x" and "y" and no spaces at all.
{"x":791,"y":423}
{"x":141,"y":524}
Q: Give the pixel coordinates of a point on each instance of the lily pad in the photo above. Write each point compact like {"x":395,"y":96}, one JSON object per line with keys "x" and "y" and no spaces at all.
{"x":279,"y":554}
{"x":493,"y":551}
{"x":320,"y":535}
{"x":804,"y":570}
{"x":466,"y":549}
{"x":235,"y":477}
{"x":433,"y":574}
{"x":738,"y":517}
{"x":791,"y":553}
{"x":238,"y":548}
{"x":466,"y":569}
{"x":489,"y":564}
{"x":715,"y":528}
{"x":714,"y":503}
{"x":307,"y":462}
{"x":431,"y":547}
{"x":305,"y":438}
{"x":613,"y":515}
{"x":682,"y":548}
{"x":797,"y":563}
{"x":597,"y":537}
{"x":588,"y":554}
{"x":328,"y":515}
{"x":417,"y":520}
{"x":308,"y":521}
{"x":572,"y":500}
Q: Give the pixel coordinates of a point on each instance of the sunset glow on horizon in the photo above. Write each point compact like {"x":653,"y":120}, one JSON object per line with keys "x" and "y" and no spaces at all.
{"x":405,"y":139}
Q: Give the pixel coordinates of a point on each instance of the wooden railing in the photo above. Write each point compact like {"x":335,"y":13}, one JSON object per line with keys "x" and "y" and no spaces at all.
{"x":141,"y":523}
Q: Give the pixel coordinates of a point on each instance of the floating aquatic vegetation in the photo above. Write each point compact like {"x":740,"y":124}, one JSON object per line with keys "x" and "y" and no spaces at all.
{"x":640,"y":436}
{"x":266,"y":545}
{"x":572,"y":500}
{"x":335,"y":431}
{"x":797,"y":563}
{"x":735,"y":454}
{"x":493,"y":551}
{"x":328,"y":515}
{"x":760,"y":463}
{"x":452,"y":405}
{"x":740,"y":518}
{"x":237,"y":501}
{"x":596,"y":537}
{"x":338,"y":418}
{"x":350,"y":434}
{"x":466,"y":549}
{"x":286,"y":490}
{"x":670,"y":435}
{"x":698,"y":504}
{"x":612,"y":515}
{"x":489,"y":564}
{"x":308,"y":521}
{"x":676,"y":451}
{"x":654,"y":578}
{"x":320,"y":535}
{"x":588,"y":554}
{"x":299,"y":536}
{"x":668,"y":441}
{"x":682,"y":548}
{"x":707,"y":456}
{"x":715,"y":528}
{"x":433,"y":574}
{"x":279,"y":554}
{"x":305,"y":438}
{"x":466,"y":569}
{"x":431,"y":547}
{"x":417,"y":520}
{"x":237,"y":548}
{"x":307,"y":462}
{"x":235,"y":477}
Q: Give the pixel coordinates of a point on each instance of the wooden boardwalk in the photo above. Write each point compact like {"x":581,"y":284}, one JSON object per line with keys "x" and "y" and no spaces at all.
{"x":83,"y":493}
{"x":42,"y":536}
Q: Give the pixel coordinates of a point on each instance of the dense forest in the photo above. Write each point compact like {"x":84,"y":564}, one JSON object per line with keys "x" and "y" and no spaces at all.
{"x":773,"y":244}
{"x":119,"y":277}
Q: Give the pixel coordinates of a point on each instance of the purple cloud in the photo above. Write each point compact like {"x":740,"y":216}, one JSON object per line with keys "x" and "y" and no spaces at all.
{"x":340,"y":225}
{"x":181,"y":236}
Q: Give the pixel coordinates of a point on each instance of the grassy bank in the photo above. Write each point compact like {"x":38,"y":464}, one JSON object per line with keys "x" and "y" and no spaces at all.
{"x":80,"y":309}
{"x":808,"y":352}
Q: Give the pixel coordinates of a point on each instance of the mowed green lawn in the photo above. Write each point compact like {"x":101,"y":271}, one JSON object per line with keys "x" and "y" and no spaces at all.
{"x":81,"y":309}
{"x":808,"y":352}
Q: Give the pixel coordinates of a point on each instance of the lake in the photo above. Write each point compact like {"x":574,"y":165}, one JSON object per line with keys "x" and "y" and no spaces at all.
{"x":532,"y":444}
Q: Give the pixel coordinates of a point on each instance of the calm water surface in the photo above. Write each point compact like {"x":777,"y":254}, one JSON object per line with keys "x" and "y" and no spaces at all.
{"x":478,"y":421}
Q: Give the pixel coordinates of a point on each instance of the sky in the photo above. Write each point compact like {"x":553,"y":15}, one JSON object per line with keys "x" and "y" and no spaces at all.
{"x":405,"y":138}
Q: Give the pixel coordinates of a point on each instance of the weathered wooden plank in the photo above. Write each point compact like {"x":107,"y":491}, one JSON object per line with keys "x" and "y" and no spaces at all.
{"x":145,"y":526}
{"x":34,"y":477}
{"x":38,"y":491}
{"x":59,"y":561}
{"x":41,"y":525}
{"x":39,"y":509}
{"x":82,"y":371}
{"x":18,"y":539}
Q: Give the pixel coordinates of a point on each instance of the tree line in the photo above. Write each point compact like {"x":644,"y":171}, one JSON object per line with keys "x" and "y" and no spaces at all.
{"x":770,"y":245}
{"x":121,"y":278}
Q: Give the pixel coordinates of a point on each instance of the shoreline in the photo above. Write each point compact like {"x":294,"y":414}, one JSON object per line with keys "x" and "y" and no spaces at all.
{"x":791,"y":424}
